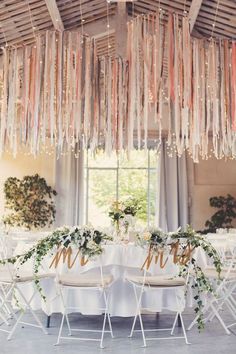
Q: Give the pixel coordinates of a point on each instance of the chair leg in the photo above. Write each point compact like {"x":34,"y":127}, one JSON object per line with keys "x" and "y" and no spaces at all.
{"x":220,"y":319}
{"x":192,"y":324}
{"x":48,"y":321}
{"x":142,"y":329}
{"x":183,"y":328}
{"x":103,"y":329}
{"x":138,"y":302}
{"x":3,"y":305}
{"x":179,"y":321}
{"x":174,"y":324}
{"x":4,"y":319}
{"x":60,"y":330}
{"x":37,"y":320}
{"x":68,"y":325}
{"x":108,"y":315}
{"x":133,"y":325}
{"x":15,"y":325}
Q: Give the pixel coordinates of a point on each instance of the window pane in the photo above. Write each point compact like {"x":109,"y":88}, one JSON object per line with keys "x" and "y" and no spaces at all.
{"x":101,"y":194}
{"x":137,"y":158}
{"x":133,"y":183}
{"x":101,"y":159}
{"x":153,"y":158}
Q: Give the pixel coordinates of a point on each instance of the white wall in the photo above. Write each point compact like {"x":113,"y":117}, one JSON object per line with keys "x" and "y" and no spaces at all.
{"x":207,"y":179}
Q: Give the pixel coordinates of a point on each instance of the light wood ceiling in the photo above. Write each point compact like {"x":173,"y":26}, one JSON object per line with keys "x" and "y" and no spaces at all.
{"x":21,"y":20}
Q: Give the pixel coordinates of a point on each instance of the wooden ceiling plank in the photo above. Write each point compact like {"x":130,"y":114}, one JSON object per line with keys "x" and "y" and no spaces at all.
{"x":55,"y":14}
{"x":77,"y":12}
{"x":87,"y":19}
{"x":27,"y":26}
{"x":85,"y":9}
{"x":84,"y":5}
{"x":26,"y":31}
{"x":4,"y":5}
{"x":101,"y":36}
{"x":218,"y":33}
{"x":23,"y":12}
{"x":193,"y":12}
{"x":77,"y":22}
{"x":166,"y":4}
{"x":226,"y":14}
{"x":144,"y":8}
{"x":25,"y":19}
{"x":26,"y":36}
{"x":224,"y":18}
{"x":224,"y":26}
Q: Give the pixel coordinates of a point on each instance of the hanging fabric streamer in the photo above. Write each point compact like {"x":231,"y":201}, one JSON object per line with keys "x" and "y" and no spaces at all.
{"x":59,"y":90}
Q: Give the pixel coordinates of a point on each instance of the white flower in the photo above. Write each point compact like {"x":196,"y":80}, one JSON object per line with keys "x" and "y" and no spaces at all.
{"x":146,"y":236}
{"x":92,"y":245}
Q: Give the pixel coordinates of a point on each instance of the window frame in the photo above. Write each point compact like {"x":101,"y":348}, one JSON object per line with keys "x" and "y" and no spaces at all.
{"x":149,"y":169}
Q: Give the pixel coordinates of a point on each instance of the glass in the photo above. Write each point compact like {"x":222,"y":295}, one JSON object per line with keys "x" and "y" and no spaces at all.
{"x":134,"y":184}
{"x":101,"y":194}
{"x":153,"y":158}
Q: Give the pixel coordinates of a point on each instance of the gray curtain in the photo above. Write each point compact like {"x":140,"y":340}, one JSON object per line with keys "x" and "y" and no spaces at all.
{"x":69,"y":183}
{"x":172,"y":191}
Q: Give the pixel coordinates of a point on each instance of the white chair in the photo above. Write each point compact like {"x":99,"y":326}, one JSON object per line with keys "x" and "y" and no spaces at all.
{"x":155,"y":283}
{"x":11,"y":280}
{"x":5,"y":246}
{"x":95,"y":281}
{"x":224,"y":287}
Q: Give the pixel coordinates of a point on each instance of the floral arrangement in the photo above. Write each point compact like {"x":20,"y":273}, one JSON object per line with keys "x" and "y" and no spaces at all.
{"x":116,"y":212}
{"x":123,"y":210}
{"x":87,"y":240}
{"x":181,"y":245}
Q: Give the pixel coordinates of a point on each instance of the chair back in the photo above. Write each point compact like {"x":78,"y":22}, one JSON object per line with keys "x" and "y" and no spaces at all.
{"x":69,"y":261}
{"x":8,"y":269}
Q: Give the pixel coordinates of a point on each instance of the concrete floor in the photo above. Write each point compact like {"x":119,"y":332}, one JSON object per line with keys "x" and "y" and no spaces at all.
{"x":30,"y":340}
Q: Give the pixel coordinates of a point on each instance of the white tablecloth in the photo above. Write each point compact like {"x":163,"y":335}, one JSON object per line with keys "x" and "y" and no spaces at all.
{"x":119,"y":260}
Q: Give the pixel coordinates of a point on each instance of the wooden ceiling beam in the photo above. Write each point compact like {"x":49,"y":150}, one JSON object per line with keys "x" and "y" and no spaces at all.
{"x":193,"y":12}
{"x":55,"y":14}
{"x":121,"y":29}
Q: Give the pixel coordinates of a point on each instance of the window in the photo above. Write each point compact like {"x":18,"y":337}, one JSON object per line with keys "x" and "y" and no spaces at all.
{"x":115,"y":178}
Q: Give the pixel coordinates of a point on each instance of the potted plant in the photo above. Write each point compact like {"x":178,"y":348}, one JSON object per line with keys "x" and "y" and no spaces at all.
{"x":29,"y":202}
{"x":226,"y":213}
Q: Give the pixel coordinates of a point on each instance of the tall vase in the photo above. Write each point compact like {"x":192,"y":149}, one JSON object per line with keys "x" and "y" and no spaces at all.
{"x":117,"y":233}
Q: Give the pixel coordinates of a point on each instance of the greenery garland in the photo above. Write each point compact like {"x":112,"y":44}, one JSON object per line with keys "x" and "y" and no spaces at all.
{"x":159,"y":241}
{"x":89,"y":243}
{"x":87,"y":240}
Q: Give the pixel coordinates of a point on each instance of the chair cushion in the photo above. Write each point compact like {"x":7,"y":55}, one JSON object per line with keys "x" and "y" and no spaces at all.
{"x":23,"y":277}
{"x":84,"y":280}
{"x":162,"y":281}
